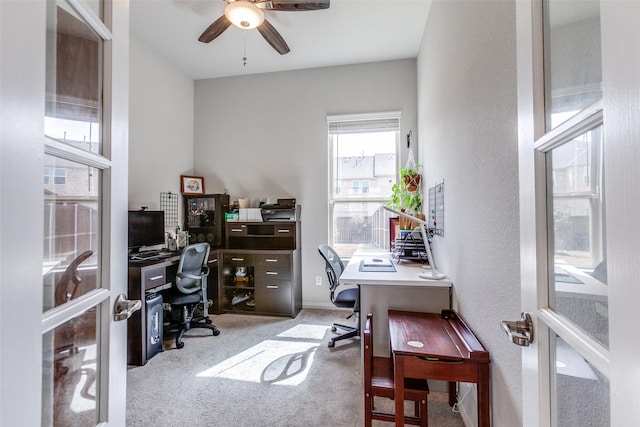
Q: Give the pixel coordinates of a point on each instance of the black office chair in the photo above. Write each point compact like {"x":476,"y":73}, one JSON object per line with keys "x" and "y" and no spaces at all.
{"x":346,"y":298}
{"x":188,"y":293}
{"x":67,"y":289}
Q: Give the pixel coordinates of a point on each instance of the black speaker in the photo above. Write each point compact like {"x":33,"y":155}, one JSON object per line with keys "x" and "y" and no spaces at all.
{"x":154,"y":324}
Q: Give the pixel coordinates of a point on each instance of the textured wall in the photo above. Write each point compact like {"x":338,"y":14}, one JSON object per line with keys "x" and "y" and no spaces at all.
{"x":265,"y":135}
{"x":160,"y":126}
{"x":467,"y":125}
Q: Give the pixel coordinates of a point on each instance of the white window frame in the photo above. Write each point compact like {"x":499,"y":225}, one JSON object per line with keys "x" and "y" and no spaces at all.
{"x":340,"y":197}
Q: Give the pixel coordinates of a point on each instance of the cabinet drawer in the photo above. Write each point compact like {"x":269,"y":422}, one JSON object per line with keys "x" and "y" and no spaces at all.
{"x":154,"y":277}
{"x":274,"y":297}
{"x":234,"y":230}
{"x":235,"y":259}
{"x":273,"y":260}
{"x":284,"y":230}
{"x":263,"y":274}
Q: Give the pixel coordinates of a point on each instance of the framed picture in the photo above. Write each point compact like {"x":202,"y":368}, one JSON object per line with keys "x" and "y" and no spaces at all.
{"x":191,"y":184}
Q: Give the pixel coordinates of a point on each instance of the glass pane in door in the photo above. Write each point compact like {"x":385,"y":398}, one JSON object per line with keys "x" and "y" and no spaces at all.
{"x":74,"y":79}
{"x":69,"y":373}
{"x":580,"y":391}
{"x":73,"y":223}
{"x":577,"y":234}
{"x":71,"y":231}
{"x":573,"y":70}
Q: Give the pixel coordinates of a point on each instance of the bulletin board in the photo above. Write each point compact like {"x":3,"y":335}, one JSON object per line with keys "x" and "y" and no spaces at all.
{"x":169,"y":204}
{"x":436,"y":209}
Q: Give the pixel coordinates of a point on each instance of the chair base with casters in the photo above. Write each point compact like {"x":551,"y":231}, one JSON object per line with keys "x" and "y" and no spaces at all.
{"x":378,"y":381}
{"x":183,"y":315}
{"x":189,"y":292}
{"x":346,"y":298}
{"x":350,"y":331}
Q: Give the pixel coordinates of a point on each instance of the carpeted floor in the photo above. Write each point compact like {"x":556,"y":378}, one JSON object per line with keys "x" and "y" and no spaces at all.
{"x":260,"y":371}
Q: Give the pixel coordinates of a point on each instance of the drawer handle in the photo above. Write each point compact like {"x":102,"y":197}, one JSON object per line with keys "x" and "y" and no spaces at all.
{"x":236,"y":230}
{"x":156,"y":278}
{"x":272,"y":273}
{"x":237,"y":259}
{"x":283,"y":230}
{"x":272,"y":286}
{"x":212,"y":261}
{"x":271,"y":260}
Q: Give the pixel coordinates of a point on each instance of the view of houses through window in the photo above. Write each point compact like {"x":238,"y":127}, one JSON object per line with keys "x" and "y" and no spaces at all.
{"x":363,"y":168}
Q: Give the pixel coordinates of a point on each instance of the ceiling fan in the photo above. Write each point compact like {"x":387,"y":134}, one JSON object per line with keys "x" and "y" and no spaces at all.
{"x":248,"y":14}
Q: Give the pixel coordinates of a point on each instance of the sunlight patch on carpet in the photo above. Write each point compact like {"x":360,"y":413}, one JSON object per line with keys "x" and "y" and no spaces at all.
{"x":84,"y":394}
{"x":269,"y":362}
{"x":311,"y":332}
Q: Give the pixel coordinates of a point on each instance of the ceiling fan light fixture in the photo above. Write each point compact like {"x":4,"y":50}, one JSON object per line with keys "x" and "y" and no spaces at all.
{"x":244,"y":14}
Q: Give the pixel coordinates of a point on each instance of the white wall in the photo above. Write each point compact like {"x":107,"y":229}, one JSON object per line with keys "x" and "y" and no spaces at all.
{"x":160,"y":126}
{"x":468,"y":137}
{"x":265,"y":135}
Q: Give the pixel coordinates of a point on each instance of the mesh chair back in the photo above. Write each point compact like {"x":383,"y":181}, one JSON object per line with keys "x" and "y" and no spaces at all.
{"x":334,"y":266}
{"x":192,"y":268}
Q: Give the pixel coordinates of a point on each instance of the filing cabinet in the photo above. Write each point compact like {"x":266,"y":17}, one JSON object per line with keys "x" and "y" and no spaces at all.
{"x":260,"y":269}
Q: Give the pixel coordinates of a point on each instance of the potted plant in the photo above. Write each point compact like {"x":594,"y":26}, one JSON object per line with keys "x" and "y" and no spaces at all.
{"x":406,"y":201}
{"x":411,"y":177}
{"x":406,"y":195}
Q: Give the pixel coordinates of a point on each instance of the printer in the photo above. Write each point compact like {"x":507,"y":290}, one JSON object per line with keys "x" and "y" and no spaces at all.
{"x":283,"y":210}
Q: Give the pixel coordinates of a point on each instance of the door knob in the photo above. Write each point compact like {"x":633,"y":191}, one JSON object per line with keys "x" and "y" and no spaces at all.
{"x":124,"y":308}
{"x":520,"y":331}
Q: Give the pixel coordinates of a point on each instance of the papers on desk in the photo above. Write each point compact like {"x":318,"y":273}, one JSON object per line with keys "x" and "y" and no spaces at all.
{"x":377,"y":265}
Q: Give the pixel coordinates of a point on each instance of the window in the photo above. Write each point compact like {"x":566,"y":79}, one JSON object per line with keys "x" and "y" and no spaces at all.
{"x":363,"y":164}
{"x":59,"y":176}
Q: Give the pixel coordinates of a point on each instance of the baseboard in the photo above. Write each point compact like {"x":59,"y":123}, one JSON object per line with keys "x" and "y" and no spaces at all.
{"x":323,"y":306}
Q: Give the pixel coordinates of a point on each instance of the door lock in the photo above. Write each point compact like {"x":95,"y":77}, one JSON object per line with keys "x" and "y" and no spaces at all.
{"x":521,"y":331}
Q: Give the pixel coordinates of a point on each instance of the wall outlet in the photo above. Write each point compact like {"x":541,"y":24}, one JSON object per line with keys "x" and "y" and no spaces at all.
{"x":318,"y":281}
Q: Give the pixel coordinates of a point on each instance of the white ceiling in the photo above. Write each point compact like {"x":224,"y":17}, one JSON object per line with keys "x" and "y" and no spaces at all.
{"x":349,"y":32}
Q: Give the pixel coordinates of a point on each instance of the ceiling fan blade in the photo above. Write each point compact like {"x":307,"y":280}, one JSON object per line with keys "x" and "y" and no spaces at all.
{"x":215,"y":29}
{"x":273,"y":37}
{"x":293,"y":5}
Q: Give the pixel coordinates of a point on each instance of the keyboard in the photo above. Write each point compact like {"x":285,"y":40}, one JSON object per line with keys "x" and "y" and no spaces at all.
{"x":150,"y":255}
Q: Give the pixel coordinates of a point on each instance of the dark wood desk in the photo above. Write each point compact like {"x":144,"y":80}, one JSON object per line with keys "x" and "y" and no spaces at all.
{"x":438,"y":347}
{"x":145,"y":276}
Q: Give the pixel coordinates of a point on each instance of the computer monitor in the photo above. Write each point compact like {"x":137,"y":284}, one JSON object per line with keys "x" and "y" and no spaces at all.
{"x":146,"y":228}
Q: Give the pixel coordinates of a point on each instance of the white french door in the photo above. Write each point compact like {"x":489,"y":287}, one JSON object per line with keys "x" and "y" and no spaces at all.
{"x":578,"y":108}
{"x":64,"y":108}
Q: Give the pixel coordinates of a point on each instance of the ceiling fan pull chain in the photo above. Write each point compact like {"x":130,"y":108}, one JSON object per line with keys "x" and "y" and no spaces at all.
{"x":244,"y":52}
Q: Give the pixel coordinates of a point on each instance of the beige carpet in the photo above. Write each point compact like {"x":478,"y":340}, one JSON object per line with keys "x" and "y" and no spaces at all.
{"x":260,"y":371}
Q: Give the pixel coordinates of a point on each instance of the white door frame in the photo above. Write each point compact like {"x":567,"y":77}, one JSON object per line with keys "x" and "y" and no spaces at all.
{"x":21,"y":216}
{"x":22,"y":100}
{"x":621,"y":110}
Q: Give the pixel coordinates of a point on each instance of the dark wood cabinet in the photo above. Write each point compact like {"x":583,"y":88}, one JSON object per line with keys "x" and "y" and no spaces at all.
{"x":212,"y":282}
{"x":260,"y":269}
{"x":258,"y":273}
{"x":204,"y":218}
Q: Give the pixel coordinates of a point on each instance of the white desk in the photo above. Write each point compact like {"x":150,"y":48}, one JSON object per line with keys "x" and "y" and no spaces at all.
{"x":399,"y":290}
